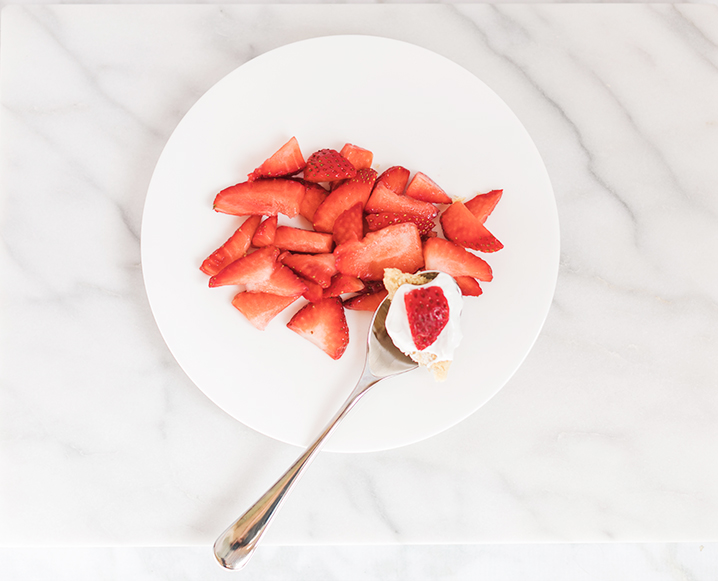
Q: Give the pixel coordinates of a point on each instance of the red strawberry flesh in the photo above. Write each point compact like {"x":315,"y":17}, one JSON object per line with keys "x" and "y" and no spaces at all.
{"x":235,"y":247}
{"x":461,"y":226}
{"x":324,"y":324}
{"x":260,"y":308}
{"x":287,"y":160}
{"x":353,"y":191}
{"x":454,"y":260}
{"x":428,"y":313}
{"x":263,"y":197}
{"x":328,"y":165}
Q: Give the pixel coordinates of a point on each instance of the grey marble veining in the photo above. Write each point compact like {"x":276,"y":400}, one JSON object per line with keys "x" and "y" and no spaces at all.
{"x":604,"y":434}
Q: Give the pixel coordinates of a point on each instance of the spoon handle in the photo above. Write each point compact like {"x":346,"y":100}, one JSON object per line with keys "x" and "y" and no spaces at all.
{"x":235,"y":546}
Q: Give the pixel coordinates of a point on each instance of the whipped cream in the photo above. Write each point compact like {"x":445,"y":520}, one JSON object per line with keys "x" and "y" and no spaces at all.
{"x":397,"y":322}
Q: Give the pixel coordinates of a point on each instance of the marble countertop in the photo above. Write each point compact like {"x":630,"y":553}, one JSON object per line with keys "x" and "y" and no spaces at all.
{"x":606,"y":433}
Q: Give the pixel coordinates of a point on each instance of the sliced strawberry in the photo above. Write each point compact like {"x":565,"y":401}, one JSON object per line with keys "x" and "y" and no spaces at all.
{"x":349,"y":225}
{"x":313,"y":197}
{"x":384,"y":200}
{"x":252,"y":268}
{"x":264,"y":236}
{"x":462,"y":227}
{"x":282,"y":282}
{"x":469,"y":286}
{"x":324,"y":324}
{"x":357,"y":189}
{"x":264,"y":197}
{"x":328,"y":165}
{"x":319,"y":268}
{"x":366,"y":301}
{"x":314,"y":292}
{"x":299,"y":240}
{"x":395,"y":178}
{"x":483,"y":204}
{"x":422,"y":187}
{"x":235,"y":247}
{"x":357,"y":156}
{"x":379,"y":221}
{"x":260,"y":308}
{"x":454,"y":260}
{"x":397,"y":246}
{"x":342,"y":284}
{"x":288,"y":160}
{"x":427,"y":311}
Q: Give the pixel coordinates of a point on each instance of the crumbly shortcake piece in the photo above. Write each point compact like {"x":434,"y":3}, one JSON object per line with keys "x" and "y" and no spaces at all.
{"x":395,"y":278}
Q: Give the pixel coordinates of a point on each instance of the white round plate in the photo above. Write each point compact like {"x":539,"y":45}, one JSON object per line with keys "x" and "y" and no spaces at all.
{"x":410,"y":107}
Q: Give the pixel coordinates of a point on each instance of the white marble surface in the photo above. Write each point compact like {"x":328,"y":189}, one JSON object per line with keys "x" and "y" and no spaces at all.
{"x":608,"y":431}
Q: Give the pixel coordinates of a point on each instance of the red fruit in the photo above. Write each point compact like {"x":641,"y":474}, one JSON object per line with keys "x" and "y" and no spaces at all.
{"x":462,"y":227}
{"x":342,"y":284}
{"x":263,"y":197}
{"x":260,"y":308}
{"x":288,"y":160}
{"x":379,"y":221}
{"x":235,"y":247}
{"x":264,"y":236}
{"x":328,"y":165}
{"x":282,"y":282}
{"x":469,"y":286}
{"x":298,"y":240}
{"x":366,"y":301}
{"x":313,"y":197}
{"x":397,"y":246}
{"x":343,"y":197}
{"x":427,"y":311}
{"x":357,"y":156}
{"x":454,"y":260}
{"x":253,"y":268}
{"x":324,"y":324}
{"x":483,"y":204}
{"x":395,"y":178}
{"x":383,"y":200}
{"x":319,"y":268}
{"x":314,"y":292}
{"x":349,"y":225}
{"x":422,"y":187}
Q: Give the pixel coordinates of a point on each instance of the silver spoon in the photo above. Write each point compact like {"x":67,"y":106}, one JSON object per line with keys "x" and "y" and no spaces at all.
{"x":234,"y":547}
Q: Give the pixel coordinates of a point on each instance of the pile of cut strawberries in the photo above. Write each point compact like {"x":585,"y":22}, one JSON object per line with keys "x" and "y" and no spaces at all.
{"x":360,"y":224}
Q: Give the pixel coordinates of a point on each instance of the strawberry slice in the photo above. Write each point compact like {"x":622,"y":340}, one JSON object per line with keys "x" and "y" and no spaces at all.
{"x":252,"y":268}
{"x":265,"y":197}
{"x":328,"y":165}
{"x":299,"y":240}
{"x":397,"y":246}
{"x":349,"y":225}
{"x":454,"y":260}
{"x":260,"y":308}
{"x":342,"y":284}
{"x":379,"y":221}
{"x":235,"y":247}
{"x":324,"y":324}
{"x":366,"y":301}
{"x":359,"y":157}
{"x":462,"y":227}
{"x":314,"y":292}
{"x":357,"y":189}
{"x":483,"y":204}
{"x":314,"y":195}
{"x":427,"y":311}
{"x":469,"y":286}
{"x":319,"y":268}
{"x":264,"y":235}
{"x":383,"y":200}
{"x":287,"y":160}
{"x":395,"y":178}
{"x":282,"y":282}
{"x":422,"y":187}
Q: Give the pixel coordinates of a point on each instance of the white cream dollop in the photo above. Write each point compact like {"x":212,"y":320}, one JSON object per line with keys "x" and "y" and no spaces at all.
{"x":397,"y":321}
